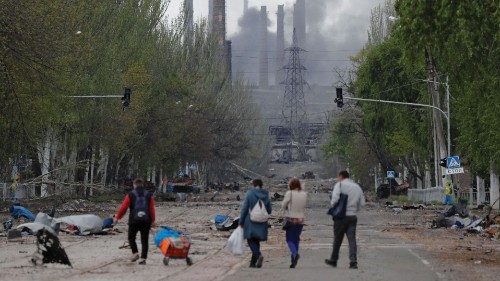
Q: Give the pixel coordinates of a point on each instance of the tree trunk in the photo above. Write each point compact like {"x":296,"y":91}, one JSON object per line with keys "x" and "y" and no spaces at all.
{"x":494,"y":189}
{"x":481,"y":192}
{"x":102,"y":169}
{"x":117,"y":172}
{"x":43,"y":152}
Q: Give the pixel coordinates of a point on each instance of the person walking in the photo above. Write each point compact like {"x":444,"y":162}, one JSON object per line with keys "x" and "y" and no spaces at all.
{"x":254,"y":210}
{"x":141,"y":216}
{"x":347,"y":225}
{"x":294,"y":205}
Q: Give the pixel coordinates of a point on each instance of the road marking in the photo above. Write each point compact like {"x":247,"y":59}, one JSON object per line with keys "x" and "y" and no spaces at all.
{"x":427,"y":263}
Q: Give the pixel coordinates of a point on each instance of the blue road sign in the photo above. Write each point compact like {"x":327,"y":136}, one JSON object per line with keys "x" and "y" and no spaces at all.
{"x":391,"y":174}
{"x":453,"y":162}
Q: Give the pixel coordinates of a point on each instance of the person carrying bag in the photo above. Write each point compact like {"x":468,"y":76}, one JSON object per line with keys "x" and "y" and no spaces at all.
{"x":294,"y":204}
{"x":254,"y":216}
{"x":347,"y":200}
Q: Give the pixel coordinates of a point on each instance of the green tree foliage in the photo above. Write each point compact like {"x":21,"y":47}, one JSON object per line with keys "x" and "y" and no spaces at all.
{"x":463,"y":38}
{"x":183,"y":109}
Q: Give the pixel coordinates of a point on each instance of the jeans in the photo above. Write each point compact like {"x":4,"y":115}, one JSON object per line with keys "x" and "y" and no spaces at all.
{"x":132,"y":233}
{"x":346,"y":226}
{"x":293,"y":238}
{"x":254,"y":245}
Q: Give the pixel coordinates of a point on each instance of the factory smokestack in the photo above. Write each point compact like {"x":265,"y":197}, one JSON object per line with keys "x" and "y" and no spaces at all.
{"x":219,"y":21}
{"x":188,"y":17}
{"x":280,"y":45}
{"x":245,"y":6}
{"x":299,"y":22}
{"x":219,"y":30}
{"x":210,"y":13}
{"x":263,"y":62}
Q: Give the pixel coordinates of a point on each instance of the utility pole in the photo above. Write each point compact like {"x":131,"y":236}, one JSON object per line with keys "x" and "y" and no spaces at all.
{"x":294,"y":107}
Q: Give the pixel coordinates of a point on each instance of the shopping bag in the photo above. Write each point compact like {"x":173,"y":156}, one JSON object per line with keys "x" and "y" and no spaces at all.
{"x":235,"y":242}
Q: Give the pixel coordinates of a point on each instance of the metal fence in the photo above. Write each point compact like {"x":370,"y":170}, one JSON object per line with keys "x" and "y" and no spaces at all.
{"x":427,"y":195}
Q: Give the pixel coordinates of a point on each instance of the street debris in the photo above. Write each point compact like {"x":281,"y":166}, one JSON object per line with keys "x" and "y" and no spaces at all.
{"x":17,"y":211}
{"x":225,"y":222}
{"x":42,"y":221}
{"x":49,"y":249}
{"x":309,"y":175}
{"x":277,"y":197}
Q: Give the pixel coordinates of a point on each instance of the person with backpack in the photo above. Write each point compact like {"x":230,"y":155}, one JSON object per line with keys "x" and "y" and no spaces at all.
{"x":254,"y":215}
{"x":294,"y":205}
{"x":141,"y":216}
{"x":347,"y":224}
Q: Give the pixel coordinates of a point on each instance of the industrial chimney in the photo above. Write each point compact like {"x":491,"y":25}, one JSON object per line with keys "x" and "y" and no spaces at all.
{"x":263,"y":61}
{"x":280,"y":45}
{"x":299,"y":22}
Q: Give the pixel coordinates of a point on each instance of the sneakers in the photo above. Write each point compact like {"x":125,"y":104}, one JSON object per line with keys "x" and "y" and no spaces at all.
{"x":134,"y":257}
{"x":142,"y":261}
{"x":259,"y":262}
{"x":331,"y":263}
{"x":353,"y":265}
{"x":295,"y":260}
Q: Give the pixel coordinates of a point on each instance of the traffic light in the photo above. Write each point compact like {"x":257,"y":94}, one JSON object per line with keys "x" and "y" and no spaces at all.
{"x":340,"y":98}
{"x":126,"y":97}
{"x":443,"y":162}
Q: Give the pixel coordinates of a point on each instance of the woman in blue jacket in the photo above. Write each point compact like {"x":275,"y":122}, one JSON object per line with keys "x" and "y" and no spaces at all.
{"x":255,"y":232}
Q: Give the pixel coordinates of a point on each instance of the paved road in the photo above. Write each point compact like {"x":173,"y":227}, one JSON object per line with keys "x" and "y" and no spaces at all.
{"x":380,"y":257}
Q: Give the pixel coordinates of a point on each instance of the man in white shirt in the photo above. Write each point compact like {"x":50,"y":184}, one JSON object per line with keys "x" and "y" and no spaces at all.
{"x":347,"y":225}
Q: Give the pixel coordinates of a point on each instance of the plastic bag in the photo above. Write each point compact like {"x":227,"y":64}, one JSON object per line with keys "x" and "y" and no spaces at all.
{"x":235,"y":242}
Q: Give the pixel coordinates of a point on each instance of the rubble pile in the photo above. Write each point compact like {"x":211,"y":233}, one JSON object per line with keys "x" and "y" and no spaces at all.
{"x":458,"y":216}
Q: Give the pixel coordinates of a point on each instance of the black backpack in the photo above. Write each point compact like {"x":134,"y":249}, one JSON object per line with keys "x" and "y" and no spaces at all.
{"x":140,"y":209}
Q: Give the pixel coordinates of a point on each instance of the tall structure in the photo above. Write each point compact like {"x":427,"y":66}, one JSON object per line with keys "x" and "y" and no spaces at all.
{"x":245,"y":6}
{"x":188,"y":18}
{"x":280,"y":45}
{"x":210,"y":13}
{"x":218,"y":25}
{"x":299,"y":21}
{"x":219,"y":21}
{"x":294,"y":105}
{"x":263,"y":55}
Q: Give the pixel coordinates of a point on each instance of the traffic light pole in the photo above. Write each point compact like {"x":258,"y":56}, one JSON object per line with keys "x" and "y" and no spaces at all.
{"x":445,"y":114}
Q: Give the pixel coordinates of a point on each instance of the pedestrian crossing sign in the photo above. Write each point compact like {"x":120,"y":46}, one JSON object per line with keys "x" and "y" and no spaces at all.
{"x":453,"y":162}
{"x":391,"y":174}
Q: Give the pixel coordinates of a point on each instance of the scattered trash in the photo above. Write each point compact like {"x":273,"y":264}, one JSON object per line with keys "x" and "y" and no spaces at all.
{"x":49,"y":248}
{"x":7,"y":225}
{"x":397,"y":210}
{"x":278,"y":197}
{"x":309,"y":175}
{"x":225,"y":222}
{"x":477,"y":262}
{"x":86,"y":224}
{"x":14,"y":234}
{"x":17,"y":211}
{"x":42,"y":221}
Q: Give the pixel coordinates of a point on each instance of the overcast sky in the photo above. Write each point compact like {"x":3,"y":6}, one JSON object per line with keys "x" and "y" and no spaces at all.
{"x":336,"y":29}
